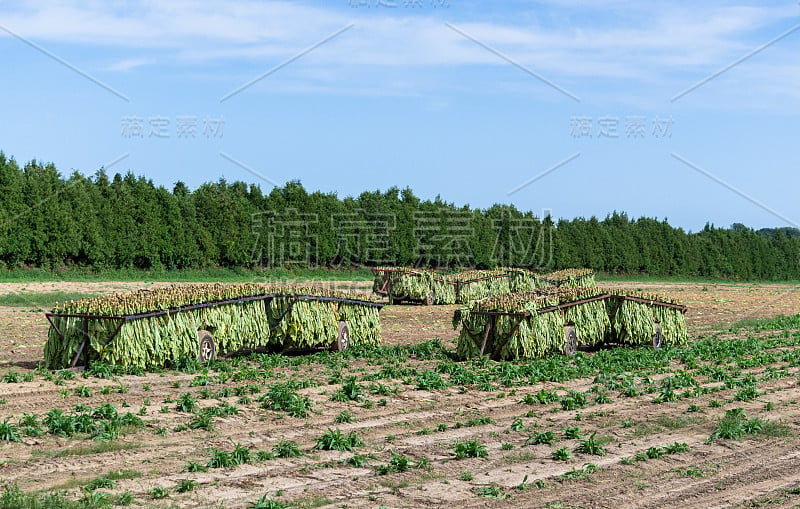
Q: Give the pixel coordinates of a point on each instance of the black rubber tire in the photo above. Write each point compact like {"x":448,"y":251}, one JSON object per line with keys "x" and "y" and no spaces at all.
{"x":342,"y":338}
{"x":658,"y":337}
{"x":570,"y":341}
{"x":206,"y":348}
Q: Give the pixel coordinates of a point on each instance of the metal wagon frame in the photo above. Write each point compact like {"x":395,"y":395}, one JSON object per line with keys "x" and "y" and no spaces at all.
{"x":341,"y":342}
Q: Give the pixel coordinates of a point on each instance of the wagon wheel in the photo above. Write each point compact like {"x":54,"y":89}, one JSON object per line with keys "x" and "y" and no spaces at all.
{"x":658,"y":338}
{"x":429,"y":299}
{"x":207,"y":350}
{"x":342,"y":338}
{"x":570,"y":341}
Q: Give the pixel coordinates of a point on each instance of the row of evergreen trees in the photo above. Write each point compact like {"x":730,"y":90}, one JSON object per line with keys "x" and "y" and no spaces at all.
{"x":128,"y":222}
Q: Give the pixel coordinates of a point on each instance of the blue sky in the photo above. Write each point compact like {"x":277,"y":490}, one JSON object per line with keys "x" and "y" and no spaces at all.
{"x":679,"y":110}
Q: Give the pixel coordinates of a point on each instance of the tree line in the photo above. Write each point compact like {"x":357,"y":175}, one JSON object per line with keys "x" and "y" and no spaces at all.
{"x":125,"y":221}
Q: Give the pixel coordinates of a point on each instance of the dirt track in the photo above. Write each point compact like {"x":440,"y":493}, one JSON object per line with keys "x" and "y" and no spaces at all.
{"x":423,"y":425}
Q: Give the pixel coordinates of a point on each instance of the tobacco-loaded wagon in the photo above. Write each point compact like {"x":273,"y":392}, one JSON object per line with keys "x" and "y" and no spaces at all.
{"x":542,"y":322}
{"x":407,"y":284}
{"x":152,"y":328}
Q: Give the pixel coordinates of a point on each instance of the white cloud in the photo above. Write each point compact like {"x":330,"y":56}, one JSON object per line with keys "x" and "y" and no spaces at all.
{"x":620,"y":40}
{"x":129,"y":64}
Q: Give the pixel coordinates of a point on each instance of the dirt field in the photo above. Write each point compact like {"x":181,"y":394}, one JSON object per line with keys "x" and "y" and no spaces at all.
{"x":492,"y":408}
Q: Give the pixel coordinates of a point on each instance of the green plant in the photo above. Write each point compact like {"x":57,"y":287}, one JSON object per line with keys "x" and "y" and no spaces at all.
{"x":159,"y":492}
{"x":95,"y":499}
{"x":356,"y":461}
{"x":469,"y":449}
{"x":491,"y":491}
{"x":654,"y":452}
{"x":344,"y":417}
{"x":731,"y":426}
{"x":573,"y":400}
{"x":124,"y":498}
{"x":202,"y":421}
{"x":221,"y":459}
{"x":748,"y":393}
{"x":676,"y":448}
{"x":9,"y":432}
{"x":350,"y":391}
{"x":83,"y":391}
{"x":186,"y":485}
{"x":561,"y":454}
{"x":100,"y":482}
{"x":688,"y":472}
{"x":582,"y":473}
{"x":430,"y":380}
{"x":193,"y":466}
{"x":517,"y":425}
{"x":266,"y":503}
{"x":572,"y":432}
{"x":241,"y":454}
{"x":186,"y":403}
{"x":264,"y":455}
{"x":542,"y":437}
{"x":287,"y":449}
{"x":591,"y":446}
{"x":282,"y":397}
{"x":465,"y":476}
{"x":601,"y":398}
{"x":335,"y":440}
{"x":544,"y":396}
{"x":397,"y":463}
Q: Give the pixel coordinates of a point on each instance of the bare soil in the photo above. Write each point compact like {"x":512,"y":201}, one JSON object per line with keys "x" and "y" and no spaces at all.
{"x":418,"y":424}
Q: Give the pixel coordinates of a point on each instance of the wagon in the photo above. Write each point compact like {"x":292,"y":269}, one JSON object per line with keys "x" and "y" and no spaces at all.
{"x":544,"y":322}
{"x":406,"y":284}
{"x":161,"y":327}
{"x":568,"y":278}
